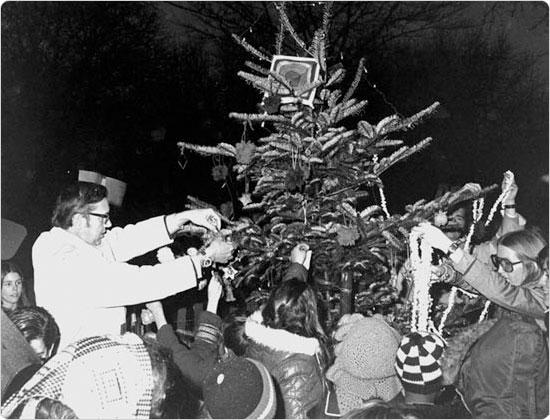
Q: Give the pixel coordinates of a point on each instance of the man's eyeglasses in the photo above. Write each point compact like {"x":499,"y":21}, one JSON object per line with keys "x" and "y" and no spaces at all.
{"x":105,"y":216}
{"x":505,"y":263}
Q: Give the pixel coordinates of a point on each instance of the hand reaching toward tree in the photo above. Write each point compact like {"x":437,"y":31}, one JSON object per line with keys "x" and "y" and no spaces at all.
{"x":301,"y":254}
{"x":214,"y":291}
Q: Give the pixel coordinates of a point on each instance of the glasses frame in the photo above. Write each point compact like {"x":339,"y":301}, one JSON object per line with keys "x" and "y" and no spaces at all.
{"x":508,"y":267}
{"x":105,"y":216}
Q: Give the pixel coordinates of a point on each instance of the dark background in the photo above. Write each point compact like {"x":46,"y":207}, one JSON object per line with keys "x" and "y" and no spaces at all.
{"x":112,"y":86}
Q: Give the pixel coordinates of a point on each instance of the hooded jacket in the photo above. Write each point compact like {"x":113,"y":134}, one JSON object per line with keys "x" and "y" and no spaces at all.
{"x":292,"y":361}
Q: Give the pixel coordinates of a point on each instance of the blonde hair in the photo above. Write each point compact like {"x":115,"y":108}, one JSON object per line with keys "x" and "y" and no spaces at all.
{"x":527,"y":244}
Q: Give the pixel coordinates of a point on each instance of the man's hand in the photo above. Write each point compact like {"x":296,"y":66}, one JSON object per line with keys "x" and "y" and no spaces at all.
{"x":220,"y":251}
{"x":155,"y":309}
{"x":207,"y":218}
{"x":165,"y":254}
{"x":434,"y":236}
{"x":301,"y":254}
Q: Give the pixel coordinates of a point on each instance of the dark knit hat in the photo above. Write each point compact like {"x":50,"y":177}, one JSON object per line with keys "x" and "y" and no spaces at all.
{"x":240,"y":388}
{"x":417,"y":362}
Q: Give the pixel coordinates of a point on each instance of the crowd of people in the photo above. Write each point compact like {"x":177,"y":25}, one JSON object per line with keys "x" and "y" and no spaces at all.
{"x":70,"y":356}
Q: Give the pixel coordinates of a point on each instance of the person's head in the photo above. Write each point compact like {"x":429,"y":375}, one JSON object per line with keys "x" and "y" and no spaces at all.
{"x":39,"y":329}
{"x":365,"y":356}
{"x":292,"y":306}
{"x":234,"y":338}
{"x":239,"y":388}
{"x":459,"y":219}
{"x":102,"y":377}
{"x":82,"y":208}
{"x":12,"y":285}
{"x":417,"y":363}
{"x":517,"y":254}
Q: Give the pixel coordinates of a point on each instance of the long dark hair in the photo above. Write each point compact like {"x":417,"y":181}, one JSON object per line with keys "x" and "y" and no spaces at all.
{"x":11,"y":267}
{"x":292,"y":307}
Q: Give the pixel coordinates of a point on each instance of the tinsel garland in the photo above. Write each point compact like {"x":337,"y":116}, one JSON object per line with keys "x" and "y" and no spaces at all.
{"x":448,"y":309}
{"x":501,"y":197}
{"x":477,"y":213}
{"x":485,"y":311}
{"x":421,"y":273}
{"x":383,"y":202}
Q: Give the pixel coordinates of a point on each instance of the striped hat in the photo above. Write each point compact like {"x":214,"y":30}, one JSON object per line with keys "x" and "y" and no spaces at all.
{"x":240,"y":388}
{"x":417,"y":362}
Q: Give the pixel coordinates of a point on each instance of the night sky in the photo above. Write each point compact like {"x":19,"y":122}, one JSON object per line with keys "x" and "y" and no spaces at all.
{"x":56,"y":118}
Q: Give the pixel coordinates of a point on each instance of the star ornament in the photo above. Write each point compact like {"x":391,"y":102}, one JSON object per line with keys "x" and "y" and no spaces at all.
{"x":229,"y":273}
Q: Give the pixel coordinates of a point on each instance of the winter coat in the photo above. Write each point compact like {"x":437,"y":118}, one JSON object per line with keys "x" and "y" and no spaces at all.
{"x":505,"y":373}
{"x":195,"y":362}
{"x":86,"y":287}
{"x":529,"y":299}
{"x":293,"y":362}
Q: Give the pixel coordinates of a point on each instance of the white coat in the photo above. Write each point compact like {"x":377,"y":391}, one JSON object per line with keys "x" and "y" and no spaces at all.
{"x":86,"y":287}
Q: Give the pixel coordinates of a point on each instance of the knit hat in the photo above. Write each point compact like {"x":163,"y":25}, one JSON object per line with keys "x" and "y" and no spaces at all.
{"x":417,"y":362}
{"x":363,"y":368}
{"x":240,"y":388}
{"x":103,"y":377}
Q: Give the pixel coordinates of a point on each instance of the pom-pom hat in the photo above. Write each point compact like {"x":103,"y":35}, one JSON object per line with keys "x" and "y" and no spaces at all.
{"x":240,"y":388}
{"x":417,"y":362}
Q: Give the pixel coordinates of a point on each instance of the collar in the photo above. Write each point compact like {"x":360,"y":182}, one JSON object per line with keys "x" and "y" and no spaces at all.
{"x":278,"y":339}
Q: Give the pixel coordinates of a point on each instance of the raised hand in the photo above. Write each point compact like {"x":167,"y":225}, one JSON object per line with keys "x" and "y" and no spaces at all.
{"x":434,"y":236}
{"x":301,"y":254}
{"x":214,"y":291}
{"x":220,"y":251}
{"x":509,"y":182}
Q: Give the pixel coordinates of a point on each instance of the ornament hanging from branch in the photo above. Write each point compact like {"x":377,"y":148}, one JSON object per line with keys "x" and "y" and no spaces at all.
{"x":296,"y":77}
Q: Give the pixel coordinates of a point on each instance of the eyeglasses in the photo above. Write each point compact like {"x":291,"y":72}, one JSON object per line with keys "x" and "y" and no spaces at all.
{"x":505,"y":263}
{"x":105,"y":216}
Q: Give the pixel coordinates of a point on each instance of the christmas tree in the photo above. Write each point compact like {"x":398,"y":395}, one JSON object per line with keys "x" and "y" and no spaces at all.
{"x":316,"y":178}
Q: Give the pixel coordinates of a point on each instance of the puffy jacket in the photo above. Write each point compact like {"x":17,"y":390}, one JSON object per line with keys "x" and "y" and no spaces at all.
{"x":293,"y":363}
{"x":505,"y":373}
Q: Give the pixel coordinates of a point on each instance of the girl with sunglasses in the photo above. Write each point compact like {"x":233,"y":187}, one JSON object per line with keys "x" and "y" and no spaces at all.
{"x":505,"y":373}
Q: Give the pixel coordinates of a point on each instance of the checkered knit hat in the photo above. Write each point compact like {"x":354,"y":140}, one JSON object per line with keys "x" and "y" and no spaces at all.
{"x":417,"y":362}
{"x":105,"y":377}
{"x":240,"y":388}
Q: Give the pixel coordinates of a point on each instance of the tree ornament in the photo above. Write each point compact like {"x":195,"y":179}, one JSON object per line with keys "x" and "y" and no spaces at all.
{"x":347,"y":236}
{"x":219,"y":172}
{"x":271,"y":103}
{"x":295,"y":179}
{"x":245,"y":199}
{"x":244,"y":152}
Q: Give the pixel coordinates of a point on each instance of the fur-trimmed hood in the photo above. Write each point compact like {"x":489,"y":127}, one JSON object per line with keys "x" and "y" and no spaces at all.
{"x":276,"y":339}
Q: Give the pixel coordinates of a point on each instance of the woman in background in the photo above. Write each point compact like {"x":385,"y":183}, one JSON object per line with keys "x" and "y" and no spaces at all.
{"x":13,"y":295}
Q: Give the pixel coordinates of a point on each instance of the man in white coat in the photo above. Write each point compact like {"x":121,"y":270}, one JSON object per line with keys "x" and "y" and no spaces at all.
{"x":80,"y":270}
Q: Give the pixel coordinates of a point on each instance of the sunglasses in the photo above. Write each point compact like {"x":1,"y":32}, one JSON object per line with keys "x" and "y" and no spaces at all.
{"x":505,"y":263}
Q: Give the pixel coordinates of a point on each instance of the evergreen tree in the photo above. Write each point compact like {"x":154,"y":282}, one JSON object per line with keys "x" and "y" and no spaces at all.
{"x":316,"y":177}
